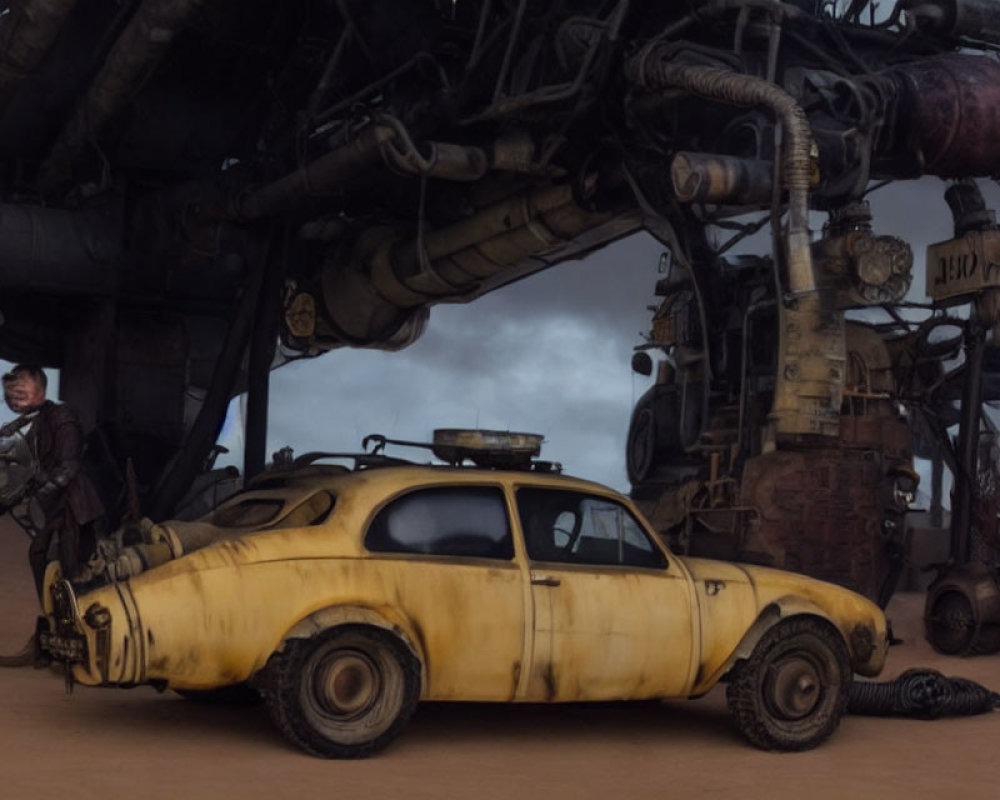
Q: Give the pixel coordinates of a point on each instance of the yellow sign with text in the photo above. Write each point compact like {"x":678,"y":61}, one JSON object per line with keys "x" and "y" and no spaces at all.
{"x":963,"y":266}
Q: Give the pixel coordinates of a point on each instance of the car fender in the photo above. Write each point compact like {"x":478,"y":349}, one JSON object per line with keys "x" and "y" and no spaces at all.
{"x":334,"y":616}
{"x":770,"y":615}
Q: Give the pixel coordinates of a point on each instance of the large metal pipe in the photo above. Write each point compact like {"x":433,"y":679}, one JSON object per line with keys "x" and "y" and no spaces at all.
{"x":387,"y":278}
{"x":386,"y":139}
{"x":972,"y":19}
{"x":145,"y":39}
{"x":316,"y":177}
{"x":497,"y":220}
{"x":63,"y":252}
{"x":26,"y":34}
{"x":711,"y":178}
{"x":949,"y":114}
{"x":451,"y":261}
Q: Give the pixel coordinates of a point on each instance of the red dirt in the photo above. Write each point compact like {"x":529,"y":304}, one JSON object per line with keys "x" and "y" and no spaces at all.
{"x":100,"y":743}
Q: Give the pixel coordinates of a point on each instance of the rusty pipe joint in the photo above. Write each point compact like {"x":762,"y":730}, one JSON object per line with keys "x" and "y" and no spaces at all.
{"x":863,"y":269}
{"x":434,"y":160}
{"x":710,"y":178}
{"x":449,"y":162}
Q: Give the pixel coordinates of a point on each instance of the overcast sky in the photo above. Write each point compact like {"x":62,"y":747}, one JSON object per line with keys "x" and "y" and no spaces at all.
{"x":549,"y":354}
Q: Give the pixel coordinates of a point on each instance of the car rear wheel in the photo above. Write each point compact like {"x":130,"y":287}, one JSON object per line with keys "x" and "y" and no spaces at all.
{"x":344,"y":693}
{"x":792,"y":691}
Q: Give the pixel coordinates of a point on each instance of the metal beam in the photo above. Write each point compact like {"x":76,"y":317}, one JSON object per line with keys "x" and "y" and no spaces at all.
{"x":262,"y":346}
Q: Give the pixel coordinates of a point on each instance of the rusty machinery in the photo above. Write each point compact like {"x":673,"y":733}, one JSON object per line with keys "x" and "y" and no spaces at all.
{"x":187,"y":182}
{"x":709,"y":468}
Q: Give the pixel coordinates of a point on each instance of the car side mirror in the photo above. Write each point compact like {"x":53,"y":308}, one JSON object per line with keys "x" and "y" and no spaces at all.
{"x":642,"y":363}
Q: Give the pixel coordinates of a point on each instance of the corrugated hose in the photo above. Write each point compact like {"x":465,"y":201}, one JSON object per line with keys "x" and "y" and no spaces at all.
{"x":923,"y":694}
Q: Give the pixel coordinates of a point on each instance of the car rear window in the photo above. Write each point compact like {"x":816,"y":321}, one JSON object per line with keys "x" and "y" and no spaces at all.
{"x":313,"y":511}
{"x":248,"y":513}
{"x":260,"y":512}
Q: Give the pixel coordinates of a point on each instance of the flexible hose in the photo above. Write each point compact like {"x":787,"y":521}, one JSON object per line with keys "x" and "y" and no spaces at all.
{"x":650,"y":69}
{"x":921,"y":693}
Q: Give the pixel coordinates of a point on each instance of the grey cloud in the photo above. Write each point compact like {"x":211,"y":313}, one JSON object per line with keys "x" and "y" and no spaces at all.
{"x":548,"y":354}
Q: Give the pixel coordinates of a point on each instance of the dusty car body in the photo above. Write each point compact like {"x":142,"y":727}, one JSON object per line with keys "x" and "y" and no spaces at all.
{"x":346,"y":597}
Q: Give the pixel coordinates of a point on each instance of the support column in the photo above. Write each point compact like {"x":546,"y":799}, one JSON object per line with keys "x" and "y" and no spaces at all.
{"x":968,"y":442}
{"x":198,"y":443}
{"x":262,"y":346}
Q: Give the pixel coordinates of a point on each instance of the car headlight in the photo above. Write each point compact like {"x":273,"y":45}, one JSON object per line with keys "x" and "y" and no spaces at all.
{"x":862,"y":641}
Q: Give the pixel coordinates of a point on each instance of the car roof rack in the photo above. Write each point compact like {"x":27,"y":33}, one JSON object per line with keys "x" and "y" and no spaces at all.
{"x":361,"y":460}
{"x":486,"y":449}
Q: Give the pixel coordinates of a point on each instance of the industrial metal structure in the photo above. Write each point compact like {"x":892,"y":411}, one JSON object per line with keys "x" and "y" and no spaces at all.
{"x":185,"y":182}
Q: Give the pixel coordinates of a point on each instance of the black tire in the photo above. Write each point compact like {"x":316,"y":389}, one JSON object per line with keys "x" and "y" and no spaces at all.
{"x":792,"y":691}
{"x":344,"y":693}
{"x":950,"y":623}
{"x":238,"y":694}
{"x":640,"y":449}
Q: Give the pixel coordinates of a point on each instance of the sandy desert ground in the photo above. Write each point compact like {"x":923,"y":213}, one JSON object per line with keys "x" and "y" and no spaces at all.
{"x":102,"y":743}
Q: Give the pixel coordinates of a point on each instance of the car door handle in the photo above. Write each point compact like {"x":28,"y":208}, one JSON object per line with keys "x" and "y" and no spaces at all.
{"x":544,"y":580}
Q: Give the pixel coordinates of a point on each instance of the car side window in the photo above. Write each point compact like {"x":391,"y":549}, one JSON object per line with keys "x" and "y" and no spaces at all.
{"x":577,"y":528}
{"x":444,"y":521}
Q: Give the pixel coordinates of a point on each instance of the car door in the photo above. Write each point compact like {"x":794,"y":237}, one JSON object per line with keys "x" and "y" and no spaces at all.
{"x":444,"y":558}
{"x":612,"y":612}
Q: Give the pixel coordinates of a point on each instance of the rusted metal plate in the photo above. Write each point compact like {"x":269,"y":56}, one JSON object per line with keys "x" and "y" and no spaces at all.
{"x":963,"y":266}
{"x":821,"y":512}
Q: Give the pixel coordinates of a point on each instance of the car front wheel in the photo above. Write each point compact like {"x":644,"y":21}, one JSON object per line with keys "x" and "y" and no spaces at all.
{"x":792,"y":691}
{"x":344,"y":693}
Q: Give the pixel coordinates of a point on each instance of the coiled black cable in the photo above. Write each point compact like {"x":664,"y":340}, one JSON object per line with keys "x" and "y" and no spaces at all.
{"x":921,"y":693}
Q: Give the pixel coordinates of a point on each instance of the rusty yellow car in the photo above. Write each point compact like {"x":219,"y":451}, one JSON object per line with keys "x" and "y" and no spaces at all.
{"x":346,"y":596}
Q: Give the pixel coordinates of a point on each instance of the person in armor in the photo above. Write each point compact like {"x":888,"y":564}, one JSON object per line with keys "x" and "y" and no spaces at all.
{"x":59,"y":502}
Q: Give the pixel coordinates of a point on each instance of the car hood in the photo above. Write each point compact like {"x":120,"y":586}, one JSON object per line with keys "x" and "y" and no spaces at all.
{"x":770,"y":585}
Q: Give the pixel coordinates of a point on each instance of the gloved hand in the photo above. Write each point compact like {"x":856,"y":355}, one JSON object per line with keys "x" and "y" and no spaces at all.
{"x":9,"y":429}
{"x":47,"y":493}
